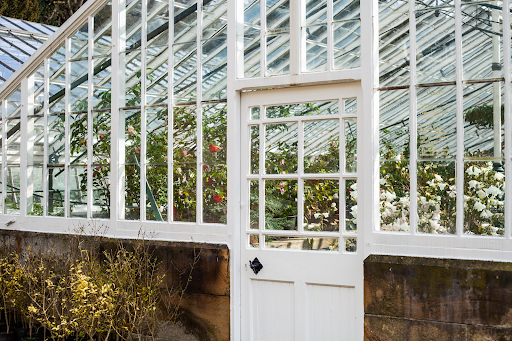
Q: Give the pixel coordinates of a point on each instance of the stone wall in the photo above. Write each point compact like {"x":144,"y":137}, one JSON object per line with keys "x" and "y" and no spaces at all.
{"x":408,"y":298}
{"x":205,"y":308}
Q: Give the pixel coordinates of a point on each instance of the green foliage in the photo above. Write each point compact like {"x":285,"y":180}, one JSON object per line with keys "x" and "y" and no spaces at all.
{"x":20,"y":9}
{"x":482,"y":116}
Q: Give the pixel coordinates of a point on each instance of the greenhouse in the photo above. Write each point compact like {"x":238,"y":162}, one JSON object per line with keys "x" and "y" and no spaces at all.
{"x":350,"y":156}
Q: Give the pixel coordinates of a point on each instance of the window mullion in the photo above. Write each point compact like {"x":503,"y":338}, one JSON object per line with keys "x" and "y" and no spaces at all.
{"x":412,"y":121}
{"x":295,"y":36}
{"x":46,"y":87}
{"x":199,"y":116}
{"x":143,"y":130}
{"x":330,"y":36}
{"x":508,"y":126}
{"x":459,"y":170}
{"x":170,"y":125}
{"x":90,"y":146}
{"x":263,"y":43}
{"x":116,"y":197}
{"x":66,"y":124}
{"x":26,"y":94}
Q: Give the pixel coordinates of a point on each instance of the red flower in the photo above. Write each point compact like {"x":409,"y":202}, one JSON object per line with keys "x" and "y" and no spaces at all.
{"x":209,"y":181}
{"x":175,"y":210}
{"x":205,"y":167}
{"x":213,"y":148}
{"x":217,"y":198}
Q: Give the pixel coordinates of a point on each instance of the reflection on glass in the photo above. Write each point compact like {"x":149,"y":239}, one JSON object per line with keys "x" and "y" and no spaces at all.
{"x":435,"y":45}
{"x":484,"y":122}
{"x":302,"y":109}
{"x":255,"y":113}
{"x":278,"y":14}
{"x":350,"y":205}
{"x":316,"y":48}
{"x":77,"y":191}
{"x":78,"y":139}
{"x":56,"y":188}
{"x":350,"y":245}
{"x":350,"y":106}
{"x":255,"y":149}
{"x":252,"y":53}
{"x":35,"y":190}
{"x":321,"y":146}
{"x":345,"y":10}
{"x":278,"y":54}
{"x":394,"y":43}
{"x":394,"y":198}
{"x":437,"y":122}
{"x":321,"y":205}
{"x":281,"y":148}
{"x":101,"y":192}
{"x":347,"y":44}
{"x":394,"y":125}
{"x":14,"y":104}
{"x":350,"y":127}
{"x":316,"y":12}
{"x":156,"y":193}
{"x":302,"y":243}
{"x":482,"y":46}
{"x":254,"y":206}
{"x":484,"y":198}
{"x":281,"y":204}
{"x":132,"y":192}
{"x":436,"y":197}
{"x":184,"y":179}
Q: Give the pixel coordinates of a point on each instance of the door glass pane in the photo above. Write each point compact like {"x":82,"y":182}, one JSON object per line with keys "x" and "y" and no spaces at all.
{"x":255,"y":149}
{"x":350,"y":205}
{"x":281,"y":148}
{"x":301,"y":243}
{"x":350,"y":130}
{"x":321,"y":205}
{"x":254,"y":206}
{"x":302,"y":109}
{"x":281,"y":204}
{"x":321,"y":146}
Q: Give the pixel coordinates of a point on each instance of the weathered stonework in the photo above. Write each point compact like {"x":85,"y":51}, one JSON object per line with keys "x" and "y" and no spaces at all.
{"x":409,"y":298}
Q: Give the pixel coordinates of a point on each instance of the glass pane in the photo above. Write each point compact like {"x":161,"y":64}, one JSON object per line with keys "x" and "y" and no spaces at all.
{"x":102,"y":94}
{"x":394,"y":43}
{"x":255,"y":113}
{"x":103,"y":31}
{"x":214,"y":133}
{"x":156,"y":192}
{"x":350,"y":205}
{"x":185,"y":72}
{"x":321,"y":146}
{"x":254,"y":206}
{"x":281,"y":204}
{"x":56,"y":188}
{"x":78,"y":42}
{"x":254,"y":241}
{"x":278,"y":14}
{"x":132,"y":123}
{"x":437,"y":122}
{"x":215,"y":190}
{"x":214,"y":19}
{"x":77,"y":192}
{"x":78,"y":140}
{"x":57,"y":80}
{"x":158,"y":19}
{"x":346,"y":9}
{"x":251,"y":35}
{"x":79,"y":89}
{"x":255,"y":149}
{"x":302,"y":109}
{"x":316,"y":12}
{"x":350,"y":245}
{"x":132,"y":192}
{"x":321,"y":205}
{"x":482,"y":46}
{"x":394,"y":125}
{"x":484,"y":122}
{"x":215,"y":54}
{"x":157,"y":82}
{"x":101,"y":192}
{"x":350,"y":106}
{"x":484,"y":198}
{"x":185,"y":29}
{"x":347,"y":44}
{"x":35,"y":141}
{"x":302,"y":243}
{"x":316,"y":48}
{"x":133,"y":23}
{"x":101,"y":126}
{"x":350,"y":128}
{"x":131,"y":63}
{"x":13,"y":141}
{"x":35,"y":190}
{"x":39,"y":90}
{"x":281,"y":148}
{"x":434,"y":4}
{"x":56,"y":133}
{"x":184,"y":134}
{"x":278,"y":55}
{"x":14,"y":104}
{"x":156,"y":135}
{"x":437,"y":196}
{"x":185,"y":179}
{"x":435,"y":45}
{"x":12,"y":197}
{"x":394,"y":196}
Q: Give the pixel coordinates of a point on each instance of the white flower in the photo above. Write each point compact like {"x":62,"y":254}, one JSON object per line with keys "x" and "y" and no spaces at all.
{"x":473,"y":170}
{"x":317,"y":215}
{"x":335,"y":196}
{"x":481,"y":194}
{"x":452,"y":194}
{"x":388,"y":196}
{"x":353,"y":194}
{"x":492,"y":190}
{"x":498,"y":176}
{"x":474,"y":184}
{"x":353,"y":210}
{"x":478,"y":206}
{"x":326,"y":215}
{"x":333,"y":204}
{"x":383,"y":181}
{"x":486,"y":214}
{"x":438,"y":177}
{"x":398,"y":157}
{"x":354,"y":186}
{"x":442,"y":186}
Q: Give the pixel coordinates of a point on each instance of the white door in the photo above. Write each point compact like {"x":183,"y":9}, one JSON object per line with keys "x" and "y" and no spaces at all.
{"x":299,"y":214}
